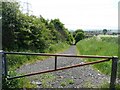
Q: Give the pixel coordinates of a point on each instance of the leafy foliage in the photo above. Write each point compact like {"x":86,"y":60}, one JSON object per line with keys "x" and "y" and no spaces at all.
{"x":76,"y":31}
{"x":9,"y":22}
{"x":23,"y":32}
{"x":78,"y":35}
{"x":29,"y":33}
{"x":16,"y":83}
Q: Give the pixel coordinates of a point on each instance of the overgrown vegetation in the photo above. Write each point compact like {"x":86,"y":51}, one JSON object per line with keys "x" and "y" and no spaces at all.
{"x":99,"y":46}
{"x":16,"y":83}
{"x":23,"y":33}
{"x":105,"y":46}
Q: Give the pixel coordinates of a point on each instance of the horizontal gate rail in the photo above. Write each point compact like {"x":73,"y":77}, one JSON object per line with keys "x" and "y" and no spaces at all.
{"x":60,"y":55}
{"x":62,"y":68}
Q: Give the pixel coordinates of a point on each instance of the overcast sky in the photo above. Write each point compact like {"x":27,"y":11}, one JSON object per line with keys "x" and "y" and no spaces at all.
{"x":83,"y":14}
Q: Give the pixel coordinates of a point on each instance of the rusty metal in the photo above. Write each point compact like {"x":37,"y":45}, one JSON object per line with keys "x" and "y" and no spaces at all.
{"x":62,"y":68}
{"x":60,"y":55}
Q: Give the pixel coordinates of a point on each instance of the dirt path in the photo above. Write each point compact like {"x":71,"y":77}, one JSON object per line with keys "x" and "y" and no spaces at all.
{"x":78,"y":77}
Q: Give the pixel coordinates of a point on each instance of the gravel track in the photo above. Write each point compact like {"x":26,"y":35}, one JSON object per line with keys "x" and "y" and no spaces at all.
{"x":79,"y":77}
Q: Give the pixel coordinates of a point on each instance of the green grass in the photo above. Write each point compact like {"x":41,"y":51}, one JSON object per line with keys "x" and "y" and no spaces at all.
{"x":110,"y":39}
{"x":107,"y":85}
{"x":104,"y":46}
{"x":96,"y":46}
{"x":59,"y":47}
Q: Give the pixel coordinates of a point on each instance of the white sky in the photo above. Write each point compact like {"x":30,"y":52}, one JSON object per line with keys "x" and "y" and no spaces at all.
{"x":83,"y":14}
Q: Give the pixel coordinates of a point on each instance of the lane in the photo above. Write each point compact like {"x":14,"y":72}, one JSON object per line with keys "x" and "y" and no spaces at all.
{"x":79,"y":77}
{"x":49,"y":63}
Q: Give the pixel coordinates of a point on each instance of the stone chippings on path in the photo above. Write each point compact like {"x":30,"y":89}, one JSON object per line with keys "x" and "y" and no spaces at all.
{"x":79,"y":77}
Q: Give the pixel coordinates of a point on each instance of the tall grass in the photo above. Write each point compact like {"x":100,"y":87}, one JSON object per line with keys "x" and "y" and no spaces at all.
{"x":99,"y":46}
{"x":110,"y":39}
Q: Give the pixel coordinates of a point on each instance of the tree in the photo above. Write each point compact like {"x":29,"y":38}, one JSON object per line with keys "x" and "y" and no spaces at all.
{"x":70,"y":38}
{"x":23,"y":32}
{"x":76,"y":31}
{"x":59,"y":26}
{"x":104,"y":31}
{"x":79,"y":36}
{"x":79,"y":30}
{"x":10,"y":12}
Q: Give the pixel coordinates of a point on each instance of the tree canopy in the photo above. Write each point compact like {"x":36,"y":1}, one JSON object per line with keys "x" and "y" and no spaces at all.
{"x":104,"y":31}
{"x":78,"y":35}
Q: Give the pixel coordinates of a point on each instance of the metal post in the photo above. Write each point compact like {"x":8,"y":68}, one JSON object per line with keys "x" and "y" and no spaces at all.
{"x":113,"y":72}
{"x":55,"y":62}
{"x":4,"y":64}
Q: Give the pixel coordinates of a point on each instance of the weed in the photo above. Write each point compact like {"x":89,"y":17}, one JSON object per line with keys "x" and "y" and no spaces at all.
{"x":70,"y":81}
{"x":16,"y":83}
{"x":63,"y":84}
{"x":67,"y":82}
{"x":46,"y":78}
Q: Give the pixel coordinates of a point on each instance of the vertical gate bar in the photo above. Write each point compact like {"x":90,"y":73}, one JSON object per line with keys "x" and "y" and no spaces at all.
{"x":55,"y":62}
{"x":113,"y":72}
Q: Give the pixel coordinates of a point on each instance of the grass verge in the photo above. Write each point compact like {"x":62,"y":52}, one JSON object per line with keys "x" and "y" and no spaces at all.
{"x":95,"y":46}
{"x":103,"y":46}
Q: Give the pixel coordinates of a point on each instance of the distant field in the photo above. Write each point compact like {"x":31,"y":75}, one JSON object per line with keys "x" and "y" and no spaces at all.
{"x":100,"y":45}
{"x":108,"y":35}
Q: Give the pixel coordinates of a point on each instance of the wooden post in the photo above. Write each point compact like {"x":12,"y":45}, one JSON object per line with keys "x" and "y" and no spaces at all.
{"x":113,"y":72}
{"x":55,"y":62}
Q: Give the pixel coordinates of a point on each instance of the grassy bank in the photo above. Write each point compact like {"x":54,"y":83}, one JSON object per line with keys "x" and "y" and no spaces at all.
{"x":105,"y":46}
{"x":101,"y":45}
{"x":15,"y":61}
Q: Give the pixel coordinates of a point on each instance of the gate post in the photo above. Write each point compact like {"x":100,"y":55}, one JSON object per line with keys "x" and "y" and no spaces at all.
{"x":4,"y":64}
{"x":113,"y":72}
{"x":55,"y":62}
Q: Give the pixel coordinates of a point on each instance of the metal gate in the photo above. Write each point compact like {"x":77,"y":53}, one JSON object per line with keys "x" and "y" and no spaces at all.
{"x":104,"y":59}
